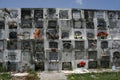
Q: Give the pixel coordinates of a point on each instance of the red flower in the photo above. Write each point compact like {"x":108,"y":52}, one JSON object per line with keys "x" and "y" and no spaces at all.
{"x":53,"y":50}
{"x":102,"y":34}
{"x":82,"y":63}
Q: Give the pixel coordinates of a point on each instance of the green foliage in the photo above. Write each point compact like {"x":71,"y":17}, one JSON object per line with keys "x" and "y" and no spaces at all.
{"x":95,"y":76}
{"x":3,"y":69}
{"x":5,"y":76}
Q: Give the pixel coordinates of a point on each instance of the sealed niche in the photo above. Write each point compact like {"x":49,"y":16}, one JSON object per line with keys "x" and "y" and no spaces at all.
{"x":12,"y":25}
{"x":38,"y":34}
{"x":52,"y":34}
{"x":100,"y":14}
{"x":12,"y":55}
{"x":26,"y":45}
{"x":66,"y":66}
{"x":112,"y":24}
{"x":26,"y":56}
{"x":92,"y":44}
{"x":78,"y":24}
{"x":63,"y":14}
{"x":78,"y":35}
{"x":25,"y":13}
{"x":76,"y":14}
{"x":51,"y":12}
{"x":79,"y":55}
{"x":39,"y":46}
{"x":52,"y":24}
{"x":67,"y":45}
{"x":111,"y":15}
{"x":104,"y":44}
{"x":53,"y":44}
{"x":90,"y":25}
{"x":92,"y":64}
{"x":53,"y":55}
{"x":12,"y":44}
{"x":39,"y":24}
{"x":65,"y":24}
{"x":90,"y":35}
{"x":39,"y":56}
{"x":2,"y":25}
{"x":116,"y":44}
{"x":1,"y":45}
{"x":26,"y":35}
{"x":65,"y":34}
{"x":88,"y":14}
{"x":79,"y":45}
{"x":1,"y":56}
{"x":38,"y":14}
{"x":101,"y":24}
{"x":26,"y":23}
{"x":13,"y":13}
{"x":116,"y":58}
{"x":105,"y":64}
{"x":13,"y":35}
{"x":92,"y":55}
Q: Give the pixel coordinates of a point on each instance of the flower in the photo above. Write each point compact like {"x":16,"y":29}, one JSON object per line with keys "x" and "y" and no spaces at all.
{"x":82,"y":63}
{"x":100,"y":34}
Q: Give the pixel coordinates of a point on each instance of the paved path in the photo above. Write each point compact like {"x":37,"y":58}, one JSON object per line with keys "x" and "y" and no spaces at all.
{"x":52,"y":75}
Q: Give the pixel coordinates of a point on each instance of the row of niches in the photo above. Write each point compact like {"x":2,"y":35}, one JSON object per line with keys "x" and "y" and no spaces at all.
{"x":63,"y":24}
{"x":40,"y":13}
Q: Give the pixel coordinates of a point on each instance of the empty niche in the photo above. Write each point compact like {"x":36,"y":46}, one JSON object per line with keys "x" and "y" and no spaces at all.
{"x":39,"y":46}
{"x":52,"y":24}
{"x":53,"y":55}
{"x":90,"y":35}
{"x":51,"y":13}
{"x":52,"y":34}
{"x":105,"y":64}
{"x":78,"y":35}
{"x":12,"y":44}
{"x":63,"y":14}
{"x":92,"y":55}
{"x":38,"y":14}
{"x":104,"y":44}
{"x":67,"y":45}
{"x":119,"y":15}
{"x":89,"y":24}
{"x":26,"y":45}
{"x":79,"y":55}
{"x":66,"y":66}
{"x":76,"y":14}
{"x":39,"y":56}
{"x":78,"y":24}
{"x":13,"y":35}
{"x":65,"y":34}
{"x":89,"y":14}
{"x":12,"y":25}
{"x":1,"y":45}
{"x":111,"y":14}
{"x":39,"y":24}
{"x":12,"y":56}
{"x":13,"y":13}
{"x":53,"y":44}
{"x":92,"y":44}
{"x":92,"y":64}
{"x":79,"y":45}
{"x":26,"y":35}
{"x":2,"y":24}
{"x":101,"y":24}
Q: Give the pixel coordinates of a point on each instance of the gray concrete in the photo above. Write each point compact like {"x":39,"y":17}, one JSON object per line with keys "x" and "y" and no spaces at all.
{"x":52,"y":75}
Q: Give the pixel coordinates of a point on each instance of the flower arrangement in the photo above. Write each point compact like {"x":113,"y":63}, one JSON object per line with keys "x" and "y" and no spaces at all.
{"x":102,"y":35}
{"x":82,"y":63}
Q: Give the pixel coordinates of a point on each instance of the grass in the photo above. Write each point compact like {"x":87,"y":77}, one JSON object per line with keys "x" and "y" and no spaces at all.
{"x":95,"y":76}
{"x":5,"y":76}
